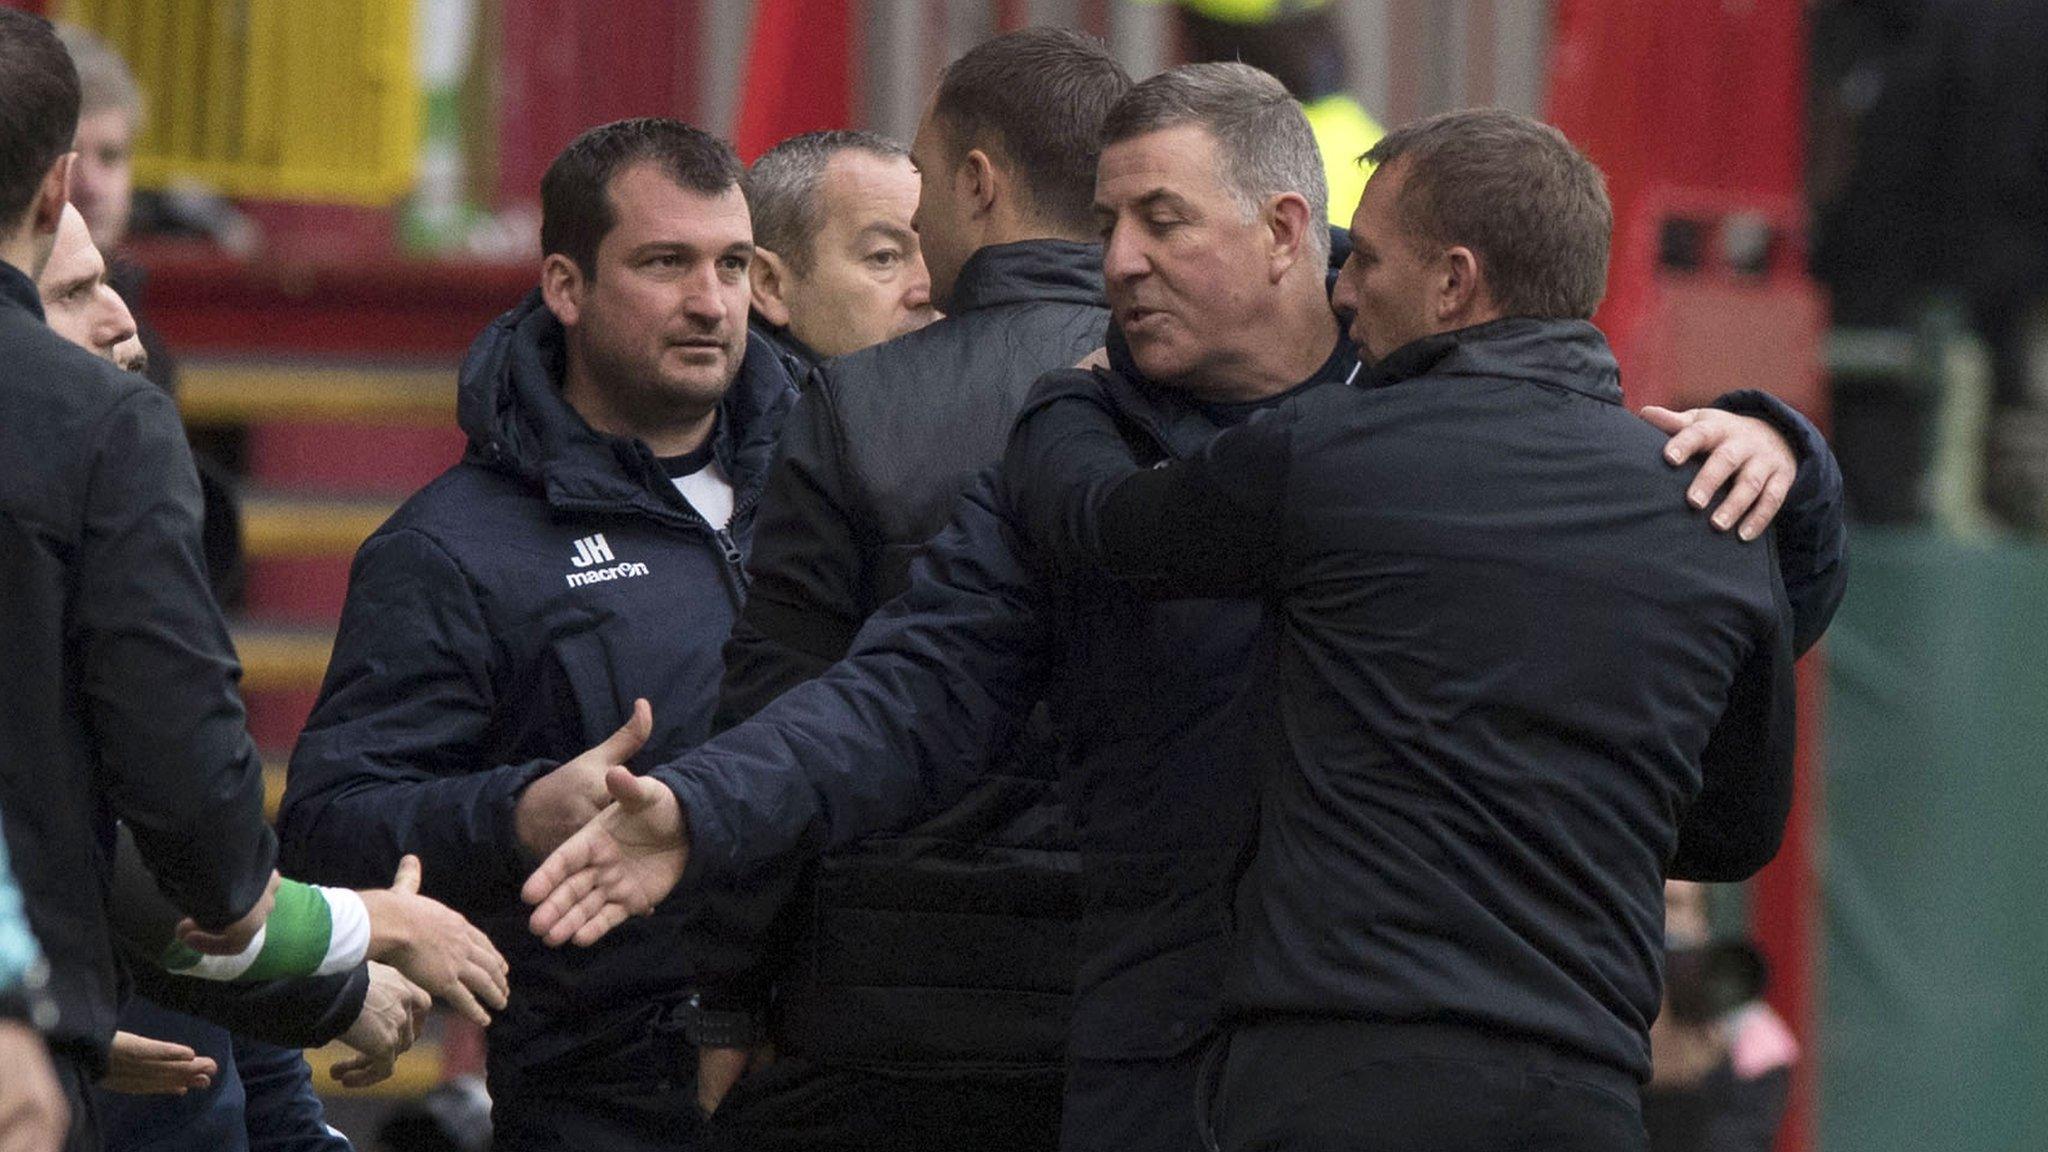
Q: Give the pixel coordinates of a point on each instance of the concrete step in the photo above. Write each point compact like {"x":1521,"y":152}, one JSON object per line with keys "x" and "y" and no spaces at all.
{"x":298,"y":550}
{"x":221,"y":393}
{"x":281,"y":672}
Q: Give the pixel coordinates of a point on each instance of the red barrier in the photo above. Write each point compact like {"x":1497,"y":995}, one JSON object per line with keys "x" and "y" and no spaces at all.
{"x":1696,"y":112}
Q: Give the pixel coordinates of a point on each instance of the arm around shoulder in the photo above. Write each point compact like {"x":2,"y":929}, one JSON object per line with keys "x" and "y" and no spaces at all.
{"x":1812,"y":527}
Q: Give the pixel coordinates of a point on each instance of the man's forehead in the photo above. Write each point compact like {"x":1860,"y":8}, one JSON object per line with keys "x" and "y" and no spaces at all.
{"x":73,"y":259}
{"x":864,"y":183}
{"x":1178,"y":161}
{"x":645,"y":200}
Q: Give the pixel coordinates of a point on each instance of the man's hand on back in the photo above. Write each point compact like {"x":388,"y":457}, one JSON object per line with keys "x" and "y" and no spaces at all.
{"x":1744,"y":449}
{"x":621,"y":864}
{"x":553,"y":807}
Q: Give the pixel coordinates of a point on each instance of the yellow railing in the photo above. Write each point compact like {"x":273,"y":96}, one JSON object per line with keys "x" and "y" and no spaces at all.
{"x":285,"y":99}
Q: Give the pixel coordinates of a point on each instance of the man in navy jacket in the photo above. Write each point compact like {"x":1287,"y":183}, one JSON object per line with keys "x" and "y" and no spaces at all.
{"x":1150,"y":699}
{"x":585,"y":554}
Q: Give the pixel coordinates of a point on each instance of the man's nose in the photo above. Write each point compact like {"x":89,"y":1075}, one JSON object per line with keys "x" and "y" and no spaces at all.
{"x":1344,"y":298}
{"x":919,"y":294}
{"x":115,"y":322}
{"x":1123,"y":255}
{"x":706,"y":300}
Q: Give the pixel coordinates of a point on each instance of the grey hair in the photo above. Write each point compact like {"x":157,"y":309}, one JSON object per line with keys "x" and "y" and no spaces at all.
{"x":1518,"y":194}
{"x":1267,"y":146}
{"x":782,"y":188}
{"x":104,"y":79}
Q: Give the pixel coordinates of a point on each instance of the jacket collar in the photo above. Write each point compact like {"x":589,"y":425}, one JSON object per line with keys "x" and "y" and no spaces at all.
{"x":1182,"y":423}
{"x":510,"y":404}
{"x":798,"y":358}
{"x":1569,"y":354}
{"x":18,"y":290}
{"x":1029,"y":271}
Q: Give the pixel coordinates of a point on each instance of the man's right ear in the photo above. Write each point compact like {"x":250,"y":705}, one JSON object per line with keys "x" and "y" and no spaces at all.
{"x":561,"y":287}
{"x":51,"y":196}
{"x":768,"y":281}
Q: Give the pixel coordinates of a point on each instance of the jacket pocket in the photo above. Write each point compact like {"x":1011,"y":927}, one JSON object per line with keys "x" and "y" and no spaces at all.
{"x":583,"y":665}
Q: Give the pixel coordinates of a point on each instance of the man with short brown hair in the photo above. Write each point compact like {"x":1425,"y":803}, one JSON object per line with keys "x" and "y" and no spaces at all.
{"x":582,"y":560}
{"x":1515,"y":681}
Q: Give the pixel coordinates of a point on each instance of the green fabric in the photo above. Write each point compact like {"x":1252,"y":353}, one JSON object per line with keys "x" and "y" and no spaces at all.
{"x":297,"y":934}
{"x":1935,"y":1002}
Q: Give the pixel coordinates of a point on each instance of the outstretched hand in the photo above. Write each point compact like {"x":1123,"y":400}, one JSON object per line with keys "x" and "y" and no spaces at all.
{"x":621,"y":864}
{"x":1743,"y":449}
{"x":435,"y":946}
{"x":143,"y":1066}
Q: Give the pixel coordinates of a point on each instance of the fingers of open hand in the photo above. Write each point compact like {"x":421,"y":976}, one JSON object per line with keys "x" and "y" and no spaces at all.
{"x":1667,"y":421}
{"x":566,"y":861}
{"x":1767,"y":506}
{"x":605,"y":919}
{"x":165,"y":1070}
{"x":362,"y":1071}
{"x":569,"y":906}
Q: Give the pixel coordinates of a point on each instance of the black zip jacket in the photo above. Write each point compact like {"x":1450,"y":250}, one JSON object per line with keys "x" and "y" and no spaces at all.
{"x":1149,"y":700}
{"x":119,"y":677}
{"x":1517,"y":681}
{"x":954,"y":942}
{"x":501,"y":622}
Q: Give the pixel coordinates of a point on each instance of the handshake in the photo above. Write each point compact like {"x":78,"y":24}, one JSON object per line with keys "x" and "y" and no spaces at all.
{"x":614,"y":842}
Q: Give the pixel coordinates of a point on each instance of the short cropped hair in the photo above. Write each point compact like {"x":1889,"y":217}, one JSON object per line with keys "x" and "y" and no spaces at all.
{"x":1518,"y":194}
{"x":575,"y":195}
{"x":782,"y":188}
{"x":39,"y":115}
{"x":1264,"y":139}
{"x":104,"y":80}
{"x":1037,"y":98}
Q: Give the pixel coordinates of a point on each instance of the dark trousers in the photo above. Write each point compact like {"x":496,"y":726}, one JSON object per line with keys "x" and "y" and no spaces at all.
{"x":796,"y":1104}
{"x":644,"y":1118}
{"x":1344,"y":1086}
{"x":75,"y":1077}
{"x":1132,"y":1105}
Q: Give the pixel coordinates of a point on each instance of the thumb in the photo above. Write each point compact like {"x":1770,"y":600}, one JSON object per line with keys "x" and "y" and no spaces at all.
{"x":1668,"y":422}
{"x":408,"y":879}
{"x":621,"y":746}
{"x":632,"y":792}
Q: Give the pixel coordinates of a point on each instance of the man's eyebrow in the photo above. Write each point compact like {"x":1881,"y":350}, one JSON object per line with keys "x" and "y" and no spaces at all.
{"x":887,"y":231}
{"x":67,"y":287}
{"x":1162,"y":198}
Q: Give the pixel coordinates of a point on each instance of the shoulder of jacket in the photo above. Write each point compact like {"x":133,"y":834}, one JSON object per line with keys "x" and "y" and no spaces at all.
{"x":470,"y":500}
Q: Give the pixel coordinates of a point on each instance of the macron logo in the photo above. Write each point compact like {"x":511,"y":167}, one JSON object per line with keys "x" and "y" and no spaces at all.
{"x":593,"y":550}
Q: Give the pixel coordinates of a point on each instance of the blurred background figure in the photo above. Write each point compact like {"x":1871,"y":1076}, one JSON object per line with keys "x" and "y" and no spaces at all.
{"x":1302,"y":43}
{"x":1930,"y":171}
{"x":103,"y":190}
{"x":1721,"y":1058}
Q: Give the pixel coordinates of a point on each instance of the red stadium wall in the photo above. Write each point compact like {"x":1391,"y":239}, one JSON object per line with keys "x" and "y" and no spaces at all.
{"x":1696,"y":113}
